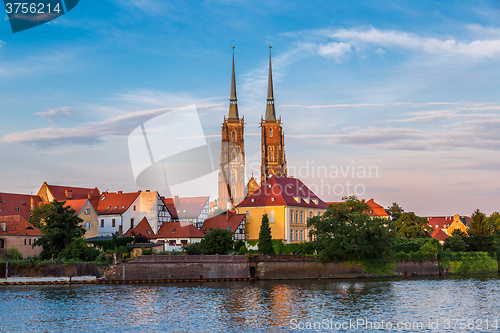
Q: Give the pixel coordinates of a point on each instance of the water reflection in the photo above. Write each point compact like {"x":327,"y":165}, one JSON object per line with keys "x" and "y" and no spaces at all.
{"x":243,"y":306}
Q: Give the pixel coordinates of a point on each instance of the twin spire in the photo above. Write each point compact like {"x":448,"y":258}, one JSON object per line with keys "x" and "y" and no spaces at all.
{"x":233,"y":100}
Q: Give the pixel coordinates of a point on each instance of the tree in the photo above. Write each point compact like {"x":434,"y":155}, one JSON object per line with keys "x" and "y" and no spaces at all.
{"x":409,"y":225}
{"x":480,"y":233}
{"x":60,"y":226}
{"x":494,"y":222}
{"x":218,"y":241}
{"x":346,"y":232}
{"x":265,"y":244}
{"x":394,"y":211}
{"x":455,"y":243}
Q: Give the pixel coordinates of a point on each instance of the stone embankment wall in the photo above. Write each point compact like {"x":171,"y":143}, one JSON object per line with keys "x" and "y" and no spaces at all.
{"x":53,"y":270}
{"x":182,"y":267}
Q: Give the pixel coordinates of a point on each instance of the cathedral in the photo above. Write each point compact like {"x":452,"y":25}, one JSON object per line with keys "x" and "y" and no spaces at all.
{"x":232,"y":189}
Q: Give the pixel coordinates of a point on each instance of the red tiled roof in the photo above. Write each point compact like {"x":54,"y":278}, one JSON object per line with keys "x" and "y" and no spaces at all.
{"x":169,"y":203}
{"x":143,"y":228}
{"x":179,"y":230}
{"x":77,"y":205}
{"x":190,"y":207}
{"x":118,"y":203}
{"x":228,"y":221}
{"x":17,"y":226}
{"x":17,"y":204}
{"x":77,"y":193}
{"x":439,"y":234}
{"x":375,"y":209}
{"x":280,"y":191}
{"x":442,"y":222}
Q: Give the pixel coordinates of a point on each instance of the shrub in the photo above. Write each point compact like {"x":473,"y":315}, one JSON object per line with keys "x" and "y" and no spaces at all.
{"x":14,"y":253}
{"x":238,"y":244}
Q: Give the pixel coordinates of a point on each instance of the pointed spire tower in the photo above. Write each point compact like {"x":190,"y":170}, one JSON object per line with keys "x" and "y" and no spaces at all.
{"x":272,"y":138}
{"x":232,"y":165}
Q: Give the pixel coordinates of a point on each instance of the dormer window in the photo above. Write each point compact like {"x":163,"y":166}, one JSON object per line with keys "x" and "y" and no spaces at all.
{"x":124,"y":206}
{"x":116,"y":207}
{"x":18,"y":209}
{"x":103,"y":198}
{"x":272,"y":199}
{"x":173,"y":230}
{"x":306,"y":200}
{"x":253,"y":200}
{"x":315,"y":201}
{"x":108,"y":207}
{"x":297,"y":199}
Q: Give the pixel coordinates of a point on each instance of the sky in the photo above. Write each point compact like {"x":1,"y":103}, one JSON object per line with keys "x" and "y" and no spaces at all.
{"x":393,"y":100}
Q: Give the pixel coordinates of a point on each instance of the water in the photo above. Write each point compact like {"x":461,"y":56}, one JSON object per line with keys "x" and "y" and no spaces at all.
{"x":437,"y":305}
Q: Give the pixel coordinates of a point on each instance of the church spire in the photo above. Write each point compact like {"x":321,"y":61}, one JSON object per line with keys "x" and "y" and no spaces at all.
{"x":233,"y":101}
{"x":270,"y":110}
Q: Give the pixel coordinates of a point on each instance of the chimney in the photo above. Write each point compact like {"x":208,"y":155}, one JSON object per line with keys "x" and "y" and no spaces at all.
{"x":147,"y":190}
{"x":4,"y":226}
{"x":120,"y":230}
{"x":69,"y":194}
{"x":33,"y":203}
{"x":176,"y":200}
{"x":89,"y":196}
{"x":120,"y":192}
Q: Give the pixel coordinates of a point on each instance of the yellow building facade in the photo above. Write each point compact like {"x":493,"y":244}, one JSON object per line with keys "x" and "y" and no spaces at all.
{"x":288,"y":204}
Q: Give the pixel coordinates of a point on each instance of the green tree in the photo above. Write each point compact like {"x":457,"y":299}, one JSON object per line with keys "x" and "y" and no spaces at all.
{"x":394,"y":211}
{"x":218,"y":241}
{"x":480,"y":233}
{"x":265,"y":244}
{"x":494,"y":222}
{"x":409,"y":225}
{"x":60,"y":226}
{"x":455,"y":243}
{"x":346,"y":232}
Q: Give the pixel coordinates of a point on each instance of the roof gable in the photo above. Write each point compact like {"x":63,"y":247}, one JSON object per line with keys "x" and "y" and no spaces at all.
{"x":190,"y":207}
{"x":226,"y":221}
{"x":66,"y":193}
{"x":17,"y":226}
{"x":143,"y":228}
{"x":283,"y":191}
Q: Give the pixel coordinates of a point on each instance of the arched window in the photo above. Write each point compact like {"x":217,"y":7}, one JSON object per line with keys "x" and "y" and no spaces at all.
{"x":234,"y":177}
{"x":271,"y":216}
{"x":233,"y":136}
{"x":270,"y":132}
{"x":271,"y":154}
{"x":233,"y":155}
{"x":233,"y":192}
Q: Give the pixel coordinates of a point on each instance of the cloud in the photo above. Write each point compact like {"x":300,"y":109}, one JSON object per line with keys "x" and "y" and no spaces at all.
{"x":57,"y":113}
{"x":362,"y":38}
{"x":121,"y":124}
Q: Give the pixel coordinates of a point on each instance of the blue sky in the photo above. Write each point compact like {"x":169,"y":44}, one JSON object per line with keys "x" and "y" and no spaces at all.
{"x":410,"y":88}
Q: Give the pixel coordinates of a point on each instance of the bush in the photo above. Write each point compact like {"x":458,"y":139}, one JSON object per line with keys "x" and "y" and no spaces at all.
{"x":238,"y":244}
{"x":14,"y":253}
{"x":193,"y":249}
{"x":147,"y":251}
{"x":78,"y":250}
{"x":242,"y":250}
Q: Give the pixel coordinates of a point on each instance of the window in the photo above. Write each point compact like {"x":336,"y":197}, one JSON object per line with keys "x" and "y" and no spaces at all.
{"x":310,"y":214}
{"x":102,"y":223}
{"x":25,"y":242}
{"x":291,"y":234}
{"x":271,"y":154}
{"x":233,"y":175}
{"x":296,"y":216}
{"x":18,"y":209}
{"x":134,"y":207}
{"x":301,"y":235}
{"x":124,"y":206}
{"x":113,"y":223}
{"x":301,"y":216}
{"x":233,"y":136}
{"x":247,"y":213}
{"x":108,"y":207}
{"x":270,"y":132}
{"x":132,"y":222}
{"x":296,"y":234}
{"x":116,"y":207}
{"x":271,"y":216}
{"x":87,"y":225}
{"x":184,"y":242}
{"x":171,"y":242}
{"x":291,"y":215}
{"x":30,"y":241}
{"x":87,"y":211}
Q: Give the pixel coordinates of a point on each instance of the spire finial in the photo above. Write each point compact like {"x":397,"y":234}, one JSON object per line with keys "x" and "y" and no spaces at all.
{"x":233,"y":100}
{"x":270,"y":110}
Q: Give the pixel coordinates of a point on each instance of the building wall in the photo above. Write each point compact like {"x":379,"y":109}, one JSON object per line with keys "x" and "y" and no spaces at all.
{"x":23,"y":244}
{"x":253,"y":220}
{"x":167,"y":246}
{"x":108,"y":228}
{"x":282,"y":225}
{"x":90,"y":220}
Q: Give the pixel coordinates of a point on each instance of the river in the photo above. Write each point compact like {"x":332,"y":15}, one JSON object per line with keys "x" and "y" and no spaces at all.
{"x":414,"y":305}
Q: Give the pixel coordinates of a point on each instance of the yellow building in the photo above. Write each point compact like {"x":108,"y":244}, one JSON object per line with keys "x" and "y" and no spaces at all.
{"x":456,"y":224}
{"x":288,"y":203}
